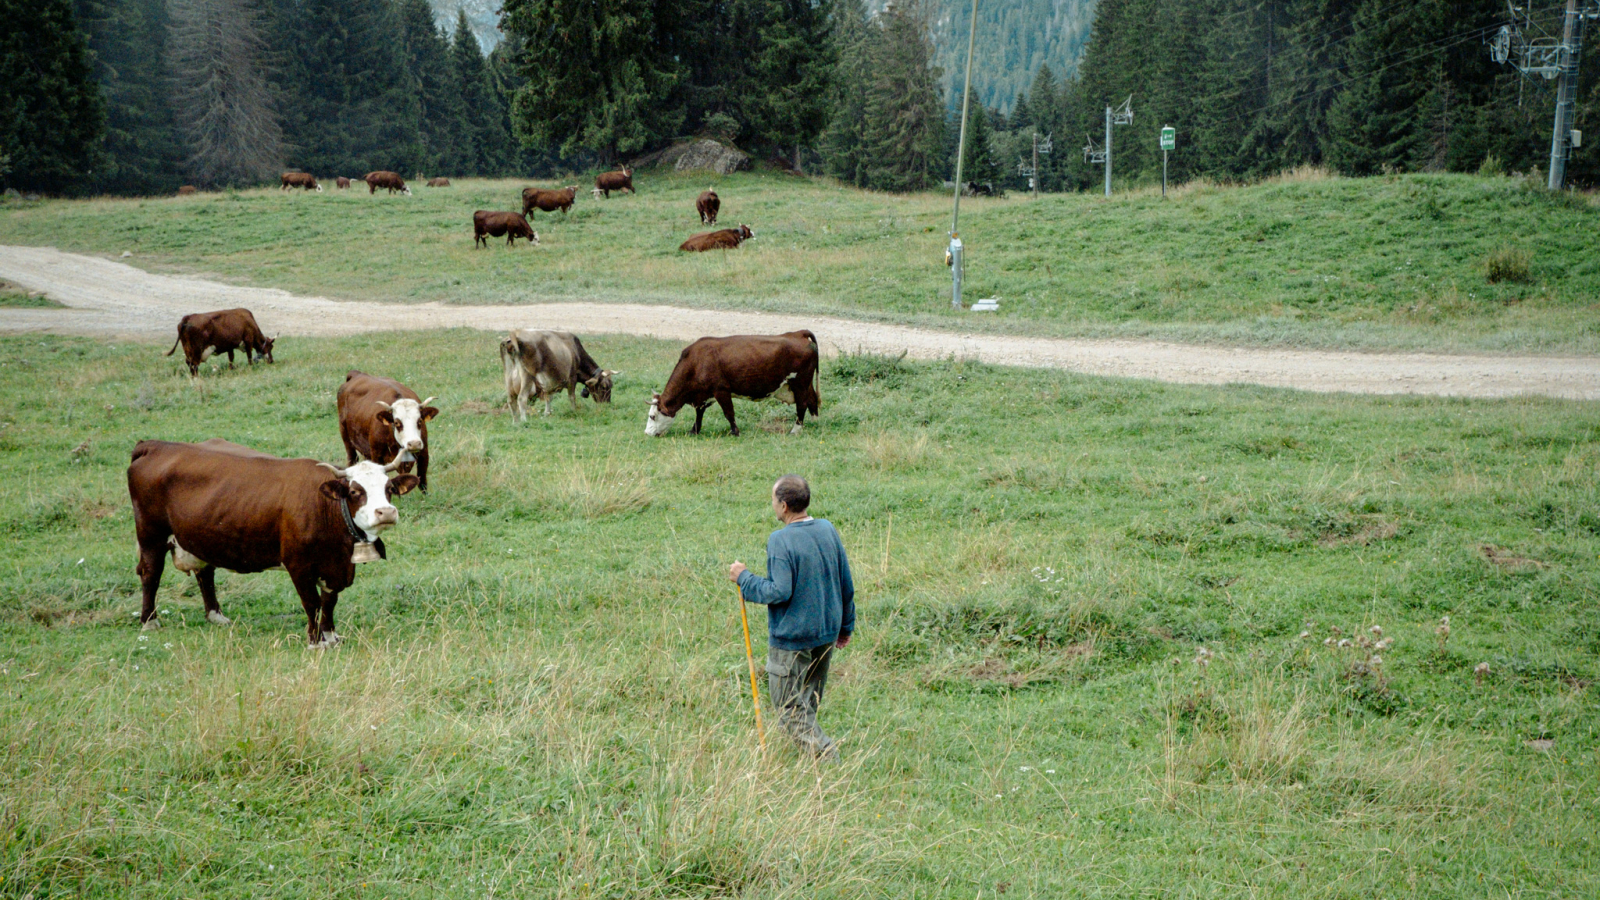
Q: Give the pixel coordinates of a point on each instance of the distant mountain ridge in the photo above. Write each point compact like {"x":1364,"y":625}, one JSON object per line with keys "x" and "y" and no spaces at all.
{"x":1014,"y":38}
{"x":482,"y":15}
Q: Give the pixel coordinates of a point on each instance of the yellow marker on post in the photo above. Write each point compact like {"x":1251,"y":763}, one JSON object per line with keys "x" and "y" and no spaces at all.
{"x":750,"y":657}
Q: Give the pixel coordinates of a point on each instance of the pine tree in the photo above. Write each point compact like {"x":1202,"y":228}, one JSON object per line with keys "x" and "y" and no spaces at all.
{"x":1378,"y":120}
{"x":485,"y":144}
{"x":844,"y":147}
{"x":51,"y":113}
{"x":342,"y":86}
{"x":596,"y":78}
{"x":978,"y":165}
{"x":225,"y":112}
{"x":127,"y":40}
{"x":430,"y":75}
{"x":793,"y":67}
{"x":904,"y":128}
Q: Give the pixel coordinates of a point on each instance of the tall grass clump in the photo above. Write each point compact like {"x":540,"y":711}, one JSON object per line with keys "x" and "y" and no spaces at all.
{"x":1509,"y":264}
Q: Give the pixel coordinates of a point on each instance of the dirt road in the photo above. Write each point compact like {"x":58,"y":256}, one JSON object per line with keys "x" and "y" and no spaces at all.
{"x":111,"y":299}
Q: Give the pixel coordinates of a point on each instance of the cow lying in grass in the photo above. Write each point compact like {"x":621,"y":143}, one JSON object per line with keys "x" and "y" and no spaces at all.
{"x":726,"y":239}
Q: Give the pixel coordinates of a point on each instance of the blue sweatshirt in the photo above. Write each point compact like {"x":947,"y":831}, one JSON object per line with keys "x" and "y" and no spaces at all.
{"x":808,"y":593}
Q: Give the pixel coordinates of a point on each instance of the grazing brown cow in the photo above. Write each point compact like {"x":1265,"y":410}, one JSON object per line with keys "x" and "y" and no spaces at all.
{"x":223,"y":331}
{"x":543,"y":362}
{"x":341,"y":182}
{"x":606,"y":182}
{"x":380,"y":418}
{"x":187,"y":189}
{"x":726,"y":239}
{"x":492,"y":223}
{"x":300,"y":180}
{"x":548,"y":201}
{"x":438,"y":182}
{"x":217,"y":505}
{"x":752,"y":366}
{"x":707,"y":205}
{"x":390,"y":180}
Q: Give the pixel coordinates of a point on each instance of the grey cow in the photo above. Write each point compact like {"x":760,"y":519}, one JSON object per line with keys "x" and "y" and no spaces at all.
{"x":539,"y":363}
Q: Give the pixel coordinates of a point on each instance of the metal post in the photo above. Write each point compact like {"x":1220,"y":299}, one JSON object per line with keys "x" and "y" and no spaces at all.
{"x":1566,"y":93}
{"x":1035,"y":175}
{"x":1108,"y":151}
{"x":1163,"y":173}
{"x":961,"y":154}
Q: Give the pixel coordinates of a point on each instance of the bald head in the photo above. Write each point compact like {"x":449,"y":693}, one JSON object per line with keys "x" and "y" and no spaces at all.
{"x":793,"y":492}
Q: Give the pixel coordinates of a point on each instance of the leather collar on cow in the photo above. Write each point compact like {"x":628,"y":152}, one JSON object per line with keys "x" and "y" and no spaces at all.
{"x":356,"y":533}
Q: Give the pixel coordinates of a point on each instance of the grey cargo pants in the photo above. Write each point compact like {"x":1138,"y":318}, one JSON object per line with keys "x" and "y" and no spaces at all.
{"x":795,"y":680}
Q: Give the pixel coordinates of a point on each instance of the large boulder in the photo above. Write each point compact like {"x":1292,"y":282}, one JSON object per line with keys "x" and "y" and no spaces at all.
{"x":708,"y":155}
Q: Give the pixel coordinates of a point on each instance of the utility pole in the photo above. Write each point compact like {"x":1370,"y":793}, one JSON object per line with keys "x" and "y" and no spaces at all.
{"x":1033,"y":177}
{"x":1551,"y":58}
{"x":953,"y":256}
{"x":1032,"y":172}
{"x":1114,"y":116}
{"x":1566,"y":95}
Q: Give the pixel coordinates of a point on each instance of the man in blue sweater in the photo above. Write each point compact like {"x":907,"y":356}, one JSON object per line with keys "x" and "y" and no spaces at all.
{"x":811,"y":609}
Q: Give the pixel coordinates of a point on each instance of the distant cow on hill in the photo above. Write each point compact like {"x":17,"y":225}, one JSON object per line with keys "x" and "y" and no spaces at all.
{"x":300,"y":180}
{"x":382,"y":419}
{"x":390,"y":180}
{"x":548,"y":201}
{"x":186,"y":190}
{"x":493,"y":224}
{"x":217,"y":505}
{"x":782,"y":366}
{"x":341,"y":182}
{"x":707,"y":205}
{"x":222,"y":331}
{"x":438,"y":182}
{"x":539,"y":363}
{"x":606,"y":182}
{"x":726,"y":239}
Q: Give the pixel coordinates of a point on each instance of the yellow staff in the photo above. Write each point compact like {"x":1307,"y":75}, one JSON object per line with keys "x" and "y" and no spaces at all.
{"x":750,"y":657}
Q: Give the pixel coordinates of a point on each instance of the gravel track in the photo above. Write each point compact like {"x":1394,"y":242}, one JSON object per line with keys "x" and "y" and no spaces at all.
{"x":110,"y":299}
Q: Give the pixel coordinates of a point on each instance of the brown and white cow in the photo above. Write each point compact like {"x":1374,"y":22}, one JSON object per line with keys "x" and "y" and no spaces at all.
{"x":708,"y":204}
{"x":548,"y":201}
{"x":217,"y":505}
{"x":341,"y":182}
{"x":539,"y":363}
{"x":487,"y":223}
{"x":606,"y":182}
{"x":390,"y":180}
{"x":755,"y":367}
{"x":380,"y":418}
{"x":300,"y":180}
{"x":222,"y":331}
{"x":726,"y":239}
{"x":441,"y":181}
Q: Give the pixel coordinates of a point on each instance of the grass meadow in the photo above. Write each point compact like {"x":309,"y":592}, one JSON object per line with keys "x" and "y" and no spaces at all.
{"x":1116,"y":638}
{"x":1434,"y":262}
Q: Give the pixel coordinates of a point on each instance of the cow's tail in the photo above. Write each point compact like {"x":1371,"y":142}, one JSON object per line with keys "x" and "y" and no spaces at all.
{"x":815,"y":403}
{"x":175,"y":344}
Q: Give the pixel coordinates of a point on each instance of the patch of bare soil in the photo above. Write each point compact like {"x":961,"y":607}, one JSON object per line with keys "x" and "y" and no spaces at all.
{"x":110,"y":299}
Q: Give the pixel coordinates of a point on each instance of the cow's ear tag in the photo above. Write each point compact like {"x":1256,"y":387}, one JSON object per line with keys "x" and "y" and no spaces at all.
{"x":335,"y":490}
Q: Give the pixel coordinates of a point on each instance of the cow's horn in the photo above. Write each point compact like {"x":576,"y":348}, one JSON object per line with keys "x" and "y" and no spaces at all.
{"x":335,"y":469}
{"x":383,"y":404}
{"x":427,"y":401}
{"x":395,"y":465}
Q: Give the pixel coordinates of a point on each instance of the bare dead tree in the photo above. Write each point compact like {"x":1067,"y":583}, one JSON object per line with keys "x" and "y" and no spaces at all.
{"x":224,"y":108}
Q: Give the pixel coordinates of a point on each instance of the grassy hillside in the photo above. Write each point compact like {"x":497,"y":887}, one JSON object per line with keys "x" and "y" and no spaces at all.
{"x":541,"y":692}
{"x":1301,"y":260}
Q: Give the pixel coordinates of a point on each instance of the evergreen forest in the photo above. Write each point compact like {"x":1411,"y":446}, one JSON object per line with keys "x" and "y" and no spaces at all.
{"x":140,"y":96}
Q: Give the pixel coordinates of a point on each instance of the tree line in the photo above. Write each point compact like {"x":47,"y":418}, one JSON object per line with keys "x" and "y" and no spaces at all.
{"x":1362,"y":87}
{"x":134,"y":96}
{"x":139,"y":96}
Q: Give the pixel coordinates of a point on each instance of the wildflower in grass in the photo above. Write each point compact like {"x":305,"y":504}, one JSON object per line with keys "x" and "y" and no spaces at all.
{"x":143,"y":638}
{"x":1443,"y":631}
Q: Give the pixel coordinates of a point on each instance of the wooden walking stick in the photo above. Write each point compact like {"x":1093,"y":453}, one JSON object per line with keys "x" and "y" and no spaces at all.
{"x":750,"y":657}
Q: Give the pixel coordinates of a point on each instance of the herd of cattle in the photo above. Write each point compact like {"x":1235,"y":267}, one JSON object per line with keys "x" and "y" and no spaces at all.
{"x":217,"y":504}
{"x":487,"y":223}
